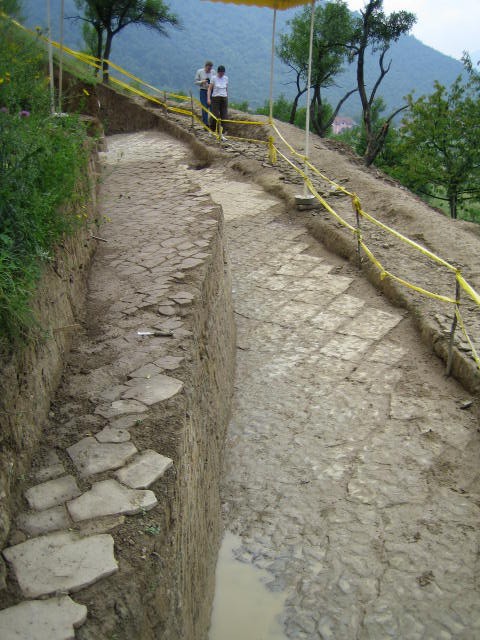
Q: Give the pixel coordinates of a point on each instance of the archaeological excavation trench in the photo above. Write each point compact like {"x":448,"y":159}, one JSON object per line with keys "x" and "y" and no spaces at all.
{"x":231,"y":378}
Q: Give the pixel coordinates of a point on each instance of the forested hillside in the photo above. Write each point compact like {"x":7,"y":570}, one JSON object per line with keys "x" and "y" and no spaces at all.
{"x":240,"y":38}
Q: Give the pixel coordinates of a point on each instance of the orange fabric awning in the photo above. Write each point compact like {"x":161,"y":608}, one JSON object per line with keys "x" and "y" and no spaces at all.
{"x":273,"y":4}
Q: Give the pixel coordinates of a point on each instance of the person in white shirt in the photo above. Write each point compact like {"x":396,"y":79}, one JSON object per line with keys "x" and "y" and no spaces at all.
{"x":202,"y":80}
{"x":217,"y":96}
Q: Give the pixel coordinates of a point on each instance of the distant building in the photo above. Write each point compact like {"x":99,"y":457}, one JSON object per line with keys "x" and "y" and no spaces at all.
{"x":342,"y":124}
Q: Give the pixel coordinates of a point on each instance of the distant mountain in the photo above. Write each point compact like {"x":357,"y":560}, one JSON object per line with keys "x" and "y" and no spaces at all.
{"x":240,"y":38}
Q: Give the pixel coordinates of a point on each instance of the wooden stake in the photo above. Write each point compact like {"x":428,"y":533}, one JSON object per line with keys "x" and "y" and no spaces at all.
{"x":452,"y":330}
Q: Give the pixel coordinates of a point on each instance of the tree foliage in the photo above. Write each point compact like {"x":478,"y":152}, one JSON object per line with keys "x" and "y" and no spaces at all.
{"x":333,"y":26}
{"x":375,"y":30}
{"x":106,"y":18}
{"x":439,"y":147}
{"x":11,"y":7}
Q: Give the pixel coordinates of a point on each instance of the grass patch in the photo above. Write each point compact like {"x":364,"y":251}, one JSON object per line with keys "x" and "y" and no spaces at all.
{"x":41,"y":160}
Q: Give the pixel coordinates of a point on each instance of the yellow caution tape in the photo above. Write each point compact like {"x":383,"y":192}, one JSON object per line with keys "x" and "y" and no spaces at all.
{"x":467,"y":288}
{"x":384,"y":274}
{"x":413,"y":244}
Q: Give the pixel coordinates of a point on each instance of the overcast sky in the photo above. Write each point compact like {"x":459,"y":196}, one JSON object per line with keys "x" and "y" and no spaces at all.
{"x":450,"y":26}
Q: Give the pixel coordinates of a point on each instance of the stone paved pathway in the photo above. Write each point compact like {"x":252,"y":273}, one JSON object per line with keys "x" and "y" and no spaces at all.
{"x":352,"y":470}
{"x":160,"y":231}
{"x":351,"y":467}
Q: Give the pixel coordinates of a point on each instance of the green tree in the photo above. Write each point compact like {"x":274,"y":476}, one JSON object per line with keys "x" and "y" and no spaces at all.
{"x":440,"y":143}
{"x":11,"y":7}
{"x":281,"y":109}
{"x":333,"y":25}
{"x":376,"y":31}
{"x":109,"y":17}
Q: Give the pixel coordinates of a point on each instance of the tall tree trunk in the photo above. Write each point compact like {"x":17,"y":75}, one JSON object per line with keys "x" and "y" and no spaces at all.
{"x":293,"y":111}
{"x":106,"y":55}
{"x":98,"y":53}
{"x":453,"y":203}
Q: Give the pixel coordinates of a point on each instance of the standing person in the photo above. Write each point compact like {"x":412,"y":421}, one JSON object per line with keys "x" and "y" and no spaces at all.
{"x":218,"y":96}
{"x":202,"y":79}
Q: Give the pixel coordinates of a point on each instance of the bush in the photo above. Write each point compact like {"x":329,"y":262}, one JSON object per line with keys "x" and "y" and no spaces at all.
{"x":41,"y":159}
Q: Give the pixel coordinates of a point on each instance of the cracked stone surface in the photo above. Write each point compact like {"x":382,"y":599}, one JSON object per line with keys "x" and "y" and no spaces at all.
{"x":109,"y":497}
{"x":61,"y":562}
{"x":52,"y":493}
{"x":148,"y":467}
{"x":351,"y":472}
{"x":53,"y":619}
{"x":91,"y":456}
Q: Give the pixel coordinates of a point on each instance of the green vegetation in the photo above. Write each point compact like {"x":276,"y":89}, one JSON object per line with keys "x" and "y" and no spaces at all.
{"x":41,"y":159}
{"x":282,"y":109}
{"x":438,"y":152}
{"x":333,"y":28}
{"x":104,"y":19}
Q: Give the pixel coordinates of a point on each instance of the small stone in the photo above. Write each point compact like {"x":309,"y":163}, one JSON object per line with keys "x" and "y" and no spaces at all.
{"x":52,"y":493}
{"x":121,"y":407}
{"x":166,"y":311}
{"x":61,"y":562}
{"x":155,"y":389}
{"x":190,"y":263}
{"x":146,"y":371}
{"x":148,"y":467}
{"x":102,"y":525}
{"x":110,"y":434}
{"x":109,"y":497}
{"x":169,"y":362}
{"x":53,"y":619}
{"x":36,"y":524}
{"x":125,"y":422}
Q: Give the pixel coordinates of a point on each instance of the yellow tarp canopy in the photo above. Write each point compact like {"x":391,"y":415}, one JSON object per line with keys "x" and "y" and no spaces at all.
{"x":273,"y":4}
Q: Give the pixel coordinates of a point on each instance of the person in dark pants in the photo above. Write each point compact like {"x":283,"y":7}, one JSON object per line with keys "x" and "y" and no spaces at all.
{"x":202,"y":80}
{"x":217,"y":97}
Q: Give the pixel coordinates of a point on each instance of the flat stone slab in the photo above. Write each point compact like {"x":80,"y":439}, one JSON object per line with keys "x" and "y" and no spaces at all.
{"x":112,"y":434}
{"x":169,"y":362}
{"x":154,"y":389}
{"x":109,"y":497}
{"x":53,"y":619}
{"x":91,"y":456}
{"x":125,"y":422}
{"x":148,"y":467}
{"x":61,"y":562}
{"x":120,"y":408}
{"x":38,"y":523}
{"x":52,"y":493}
{"x":147,"y":371}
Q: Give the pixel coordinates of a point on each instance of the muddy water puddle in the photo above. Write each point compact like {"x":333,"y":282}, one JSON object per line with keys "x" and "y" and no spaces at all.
{"x":243,"y":607}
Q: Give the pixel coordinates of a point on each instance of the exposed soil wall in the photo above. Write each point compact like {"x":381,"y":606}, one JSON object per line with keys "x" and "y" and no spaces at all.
{"x":30,"y":376}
